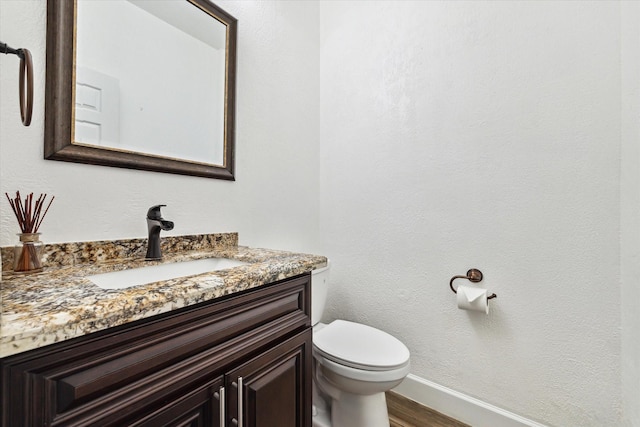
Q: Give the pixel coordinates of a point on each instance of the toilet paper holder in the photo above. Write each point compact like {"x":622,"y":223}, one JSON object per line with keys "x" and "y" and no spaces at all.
{"x":473,"y":275}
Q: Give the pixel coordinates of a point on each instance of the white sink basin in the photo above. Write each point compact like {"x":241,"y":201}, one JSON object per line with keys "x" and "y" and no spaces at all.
{"x":143,"y":275}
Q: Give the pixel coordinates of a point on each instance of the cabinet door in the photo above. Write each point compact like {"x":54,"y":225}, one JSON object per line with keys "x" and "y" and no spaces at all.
{"x":273,"y":389}
{"x":201,"y":407}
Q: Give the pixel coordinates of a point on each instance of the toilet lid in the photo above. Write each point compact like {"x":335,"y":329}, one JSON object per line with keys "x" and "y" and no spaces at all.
{"x":360,"y":346}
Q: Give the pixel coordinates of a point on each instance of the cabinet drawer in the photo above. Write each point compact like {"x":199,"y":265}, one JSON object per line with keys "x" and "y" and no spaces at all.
{"x":121,"y":369}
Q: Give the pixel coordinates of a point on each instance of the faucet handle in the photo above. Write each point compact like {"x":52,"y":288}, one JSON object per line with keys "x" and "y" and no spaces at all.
{"x":154,"y":212}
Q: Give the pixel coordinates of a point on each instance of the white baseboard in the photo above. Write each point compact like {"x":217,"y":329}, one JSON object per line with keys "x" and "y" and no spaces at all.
{"x":459,"y":406}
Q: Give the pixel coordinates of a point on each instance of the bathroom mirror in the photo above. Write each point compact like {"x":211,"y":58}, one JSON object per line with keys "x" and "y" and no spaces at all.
{"x":141,"y":84}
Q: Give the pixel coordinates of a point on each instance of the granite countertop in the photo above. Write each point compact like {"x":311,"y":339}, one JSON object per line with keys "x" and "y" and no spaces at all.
{"x":61,"y":303}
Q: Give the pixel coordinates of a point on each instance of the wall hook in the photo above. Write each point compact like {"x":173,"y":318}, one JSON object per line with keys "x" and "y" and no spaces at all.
{"x":474,"y":275}
{"x":25,"y":82}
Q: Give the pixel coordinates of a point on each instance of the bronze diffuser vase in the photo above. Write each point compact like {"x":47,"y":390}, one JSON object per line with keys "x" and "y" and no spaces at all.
{"x":27,"y":255}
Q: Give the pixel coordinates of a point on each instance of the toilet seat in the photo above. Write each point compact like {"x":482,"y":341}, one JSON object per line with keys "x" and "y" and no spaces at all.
{"x":360,"y":347}
{"x":333,"y":368}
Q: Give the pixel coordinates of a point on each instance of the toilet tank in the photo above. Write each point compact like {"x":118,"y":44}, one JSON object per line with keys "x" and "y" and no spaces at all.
{"x":319,"y":288}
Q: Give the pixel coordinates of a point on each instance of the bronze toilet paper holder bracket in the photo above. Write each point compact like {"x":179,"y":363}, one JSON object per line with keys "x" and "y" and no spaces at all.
{"x":473,"y":275}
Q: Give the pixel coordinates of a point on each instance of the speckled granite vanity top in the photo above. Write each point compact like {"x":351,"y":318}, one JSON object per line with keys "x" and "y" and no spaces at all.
{"x":61,"y":303}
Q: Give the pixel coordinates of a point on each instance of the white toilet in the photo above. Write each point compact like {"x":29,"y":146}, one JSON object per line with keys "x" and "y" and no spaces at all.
{"x":354,"y":365}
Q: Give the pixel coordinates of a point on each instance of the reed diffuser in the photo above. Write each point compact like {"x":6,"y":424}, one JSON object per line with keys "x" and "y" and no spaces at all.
{"x":27,"y":256}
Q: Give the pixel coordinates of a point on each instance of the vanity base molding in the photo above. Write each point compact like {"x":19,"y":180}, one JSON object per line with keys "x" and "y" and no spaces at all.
{"x":246,"y":355}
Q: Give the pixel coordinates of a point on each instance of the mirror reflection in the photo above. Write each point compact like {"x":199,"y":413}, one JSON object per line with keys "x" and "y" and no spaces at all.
{"x":150,"y":78}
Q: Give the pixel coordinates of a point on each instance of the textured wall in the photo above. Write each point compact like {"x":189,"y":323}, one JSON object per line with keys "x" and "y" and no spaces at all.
{"x":274,"y":201}
{"x":454,"y":135}
{"x":480,"y":134}
{"x":630,"y":225}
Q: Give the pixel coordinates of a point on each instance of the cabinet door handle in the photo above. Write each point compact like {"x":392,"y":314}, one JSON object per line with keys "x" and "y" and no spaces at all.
{"x":220,"y":397}
{"x":238,"y":422}
{"x":240,"y":401}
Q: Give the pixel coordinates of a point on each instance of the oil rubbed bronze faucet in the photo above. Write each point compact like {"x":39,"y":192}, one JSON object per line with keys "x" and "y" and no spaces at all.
{"x":155,"y":223}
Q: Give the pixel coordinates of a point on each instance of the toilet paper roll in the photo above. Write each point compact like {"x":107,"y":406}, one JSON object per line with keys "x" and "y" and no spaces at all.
{"x":473,"y":299}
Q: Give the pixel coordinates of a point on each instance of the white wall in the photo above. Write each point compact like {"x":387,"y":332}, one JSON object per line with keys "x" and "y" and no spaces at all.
{"x":630,"y":219}
{"x":274,"y":201}
{"x":487,"y":135}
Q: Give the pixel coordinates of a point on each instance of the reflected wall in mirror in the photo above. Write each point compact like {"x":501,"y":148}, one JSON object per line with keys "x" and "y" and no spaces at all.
{"x":141,"y":84}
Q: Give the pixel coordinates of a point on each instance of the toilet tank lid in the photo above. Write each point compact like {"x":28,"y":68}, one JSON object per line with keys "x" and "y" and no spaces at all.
{"x":354,"y":344}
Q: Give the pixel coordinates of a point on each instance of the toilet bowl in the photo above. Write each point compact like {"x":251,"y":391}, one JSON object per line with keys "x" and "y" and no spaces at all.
{"x":354,"y":365}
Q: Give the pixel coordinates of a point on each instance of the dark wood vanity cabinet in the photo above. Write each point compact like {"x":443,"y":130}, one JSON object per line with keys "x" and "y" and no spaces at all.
{"x":243,"y":360}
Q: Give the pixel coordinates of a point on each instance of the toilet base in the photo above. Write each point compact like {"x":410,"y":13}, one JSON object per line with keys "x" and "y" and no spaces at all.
{"x":321,"y":412}
{"x":343,"y":406}
{"x":321,"y":418}
{"x":353,"y":410}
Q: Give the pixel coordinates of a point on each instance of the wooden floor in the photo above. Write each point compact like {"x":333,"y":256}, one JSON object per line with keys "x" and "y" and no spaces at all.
{"x":405,"y":412}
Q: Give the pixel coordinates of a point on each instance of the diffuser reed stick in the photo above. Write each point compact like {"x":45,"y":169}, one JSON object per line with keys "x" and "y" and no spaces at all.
{"x":30,"y":217}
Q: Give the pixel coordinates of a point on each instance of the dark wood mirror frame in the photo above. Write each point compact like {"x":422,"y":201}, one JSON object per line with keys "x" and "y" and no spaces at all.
{"x":59,"y":102}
